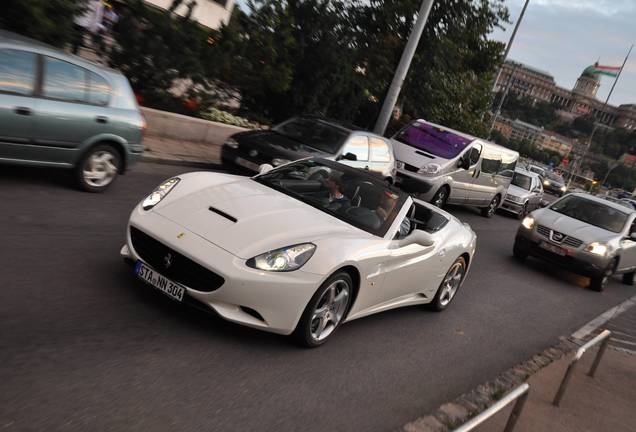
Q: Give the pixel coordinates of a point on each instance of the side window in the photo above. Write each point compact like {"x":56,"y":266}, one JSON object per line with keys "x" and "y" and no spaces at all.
{"x":473,"y":154}
{"x":359,"y":146}
{"x":490,"y":163}
{"x":632,"y":228}
{"x":508,"y":165}
{"x":379,"y":150}
{"x":17,"y":72}
{"x":99,"y":90}
{"x":64,"y":81}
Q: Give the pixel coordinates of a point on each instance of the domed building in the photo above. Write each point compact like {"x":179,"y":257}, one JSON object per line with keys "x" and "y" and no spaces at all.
{"x":581,"y":100}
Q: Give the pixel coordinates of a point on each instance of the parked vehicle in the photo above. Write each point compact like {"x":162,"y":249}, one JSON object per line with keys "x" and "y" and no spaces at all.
{"x":554,"y":184}
{"x":441,"y":165}
{"x":289,"y":252}
{"x":61,"y":111}
{"x":624,"y":202}
{"x":537,"y":170}
{"x":584,"y":234}
{"x":310,"y":136}
{"x":524,"y":193}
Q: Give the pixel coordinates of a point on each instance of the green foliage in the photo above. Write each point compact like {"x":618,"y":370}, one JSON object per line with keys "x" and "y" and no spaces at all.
{"x":49,"y":21}
{"x":524,"y":108}
{"x":225,"y":117}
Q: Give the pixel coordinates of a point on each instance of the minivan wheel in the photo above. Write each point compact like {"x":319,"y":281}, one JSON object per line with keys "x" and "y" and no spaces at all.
{"x":440,"y":197}
{"x":98,"y":168}
{"x":492,"y":207}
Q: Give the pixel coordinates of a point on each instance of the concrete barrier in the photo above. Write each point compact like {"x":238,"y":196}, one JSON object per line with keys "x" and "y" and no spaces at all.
{"x":167,"y":125}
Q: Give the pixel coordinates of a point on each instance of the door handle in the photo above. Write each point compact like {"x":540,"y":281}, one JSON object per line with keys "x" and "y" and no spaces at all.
{"x":101,"y":119}
{"x":23,"y":111}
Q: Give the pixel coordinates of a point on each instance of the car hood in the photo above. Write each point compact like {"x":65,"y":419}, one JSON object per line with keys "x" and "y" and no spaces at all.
{"x":572,"y":227}
{"x":247,"y":218}
{"x":517,"y":191}
{"x":276,"y":145}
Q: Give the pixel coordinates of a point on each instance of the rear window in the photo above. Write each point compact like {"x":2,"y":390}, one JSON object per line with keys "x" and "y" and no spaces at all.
{"x":432,"y":139}
{"x":17,"y":72}
{"x":591,"y":212}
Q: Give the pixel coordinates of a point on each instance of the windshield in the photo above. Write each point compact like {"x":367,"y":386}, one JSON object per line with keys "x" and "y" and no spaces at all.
{"x":432,"y":139}
{"x":521,"y":180}
{"x":346,"y":193}
{"x":591,"y":212}
{"x":314,"y":133}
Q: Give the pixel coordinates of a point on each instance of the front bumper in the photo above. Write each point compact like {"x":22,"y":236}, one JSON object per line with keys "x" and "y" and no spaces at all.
{"x":279,"y":298}
{"x":576,"y":260}
{"x":512,"y":206}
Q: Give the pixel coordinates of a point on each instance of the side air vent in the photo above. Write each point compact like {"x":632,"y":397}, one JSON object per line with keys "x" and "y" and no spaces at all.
{"x":223,"y":214}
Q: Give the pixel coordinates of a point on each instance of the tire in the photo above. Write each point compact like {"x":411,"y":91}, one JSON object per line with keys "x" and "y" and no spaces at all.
{"x":98,"y":168}
{"x":492,"y":207}
{"x":523,"y":212}
{"x":599,"y":282}
{"x":628,"y":278}
{"x":519,"y":253}
{"x":324,"y":309}
{"x":450,"y":285}
{"x":440,"y":197}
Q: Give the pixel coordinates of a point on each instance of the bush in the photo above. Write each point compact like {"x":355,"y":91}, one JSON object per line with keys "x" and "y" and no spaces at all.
{"x":225,"y":117}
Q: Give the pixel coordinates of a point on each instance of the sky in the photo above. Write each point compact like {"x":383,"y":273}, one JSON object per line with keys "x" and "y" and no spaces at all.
{"x":562,"y":37}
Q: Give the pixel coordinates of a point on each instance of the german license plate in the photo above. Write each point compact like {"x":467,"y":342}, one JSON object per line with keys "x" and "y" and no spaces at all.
{"x":554,"y":249}
{"x":163,"y":284}
{"x":246,"y":164}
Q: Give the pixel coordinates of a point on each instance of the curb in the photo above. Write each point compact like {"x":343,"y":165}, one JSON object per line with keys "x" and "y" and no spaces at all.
{"x":180,"y":162}
{"x":455,"y":413}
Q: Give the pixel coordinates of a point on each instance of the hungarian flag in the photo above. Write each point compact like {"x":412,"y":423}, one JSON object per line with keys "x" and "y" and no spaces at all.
{"x":606,"y":70}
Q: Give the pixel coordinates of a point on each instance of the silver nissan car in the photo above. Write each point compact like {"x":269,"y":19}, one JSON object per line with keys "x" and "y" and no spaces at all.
{"x":584,"y":234}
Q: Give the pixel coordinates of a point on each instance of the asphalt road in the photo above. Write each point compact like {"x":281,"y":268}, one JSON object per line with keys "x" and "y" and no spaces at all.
{"x":86,"y":346}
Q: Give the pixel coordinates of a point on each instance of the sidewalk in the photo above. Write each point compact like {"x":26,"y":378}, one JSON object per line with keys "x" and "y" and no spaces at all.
{"x":606,"y":402}
{"x":181,"y":152}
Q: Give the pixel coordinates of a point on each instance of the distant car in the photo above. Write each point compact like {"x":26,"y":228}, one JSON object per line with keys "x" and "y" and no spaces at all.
{"x":524,"y":193}
{"x":625,"y":203}
{"x":554,"y":184}
{"x":288,"y":253}
{"x":628,"y":202}
{"x":588,"y":235}
{"x":537,"y":170}
{"x":59,"y":110}
{"x":310,"y":136}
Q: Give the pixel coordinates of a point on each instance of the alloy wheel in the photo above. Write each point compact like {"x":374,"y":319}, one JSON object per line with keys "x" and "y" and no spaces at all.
{"x":330,"y":309}
{"x":451,"y":283}
{"x":100,"y":169}
{"x":493,"y":206}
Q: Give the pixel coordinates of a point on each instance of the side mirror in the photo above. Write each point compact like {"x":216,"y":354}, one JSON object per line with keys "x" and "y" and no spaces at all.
{"x":347,"y":156}
{"x":265,"y":168}
{"x":463,"y":163}
{"x":416,"y":237}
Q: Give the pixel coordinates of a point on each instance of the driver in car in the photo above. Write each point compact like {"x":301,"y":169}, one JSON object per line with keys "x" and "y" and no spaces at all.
{"x":336,"y":200}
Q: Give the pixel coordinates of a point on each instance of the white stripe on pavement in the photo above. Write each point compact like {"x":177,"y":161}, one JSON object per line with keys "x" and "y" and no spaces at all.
{"x":603,"y":318}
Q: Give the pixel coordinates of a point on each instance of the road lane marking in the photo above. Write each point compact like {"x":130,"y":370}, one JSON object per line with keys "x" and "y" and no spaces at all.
{"x":603,"y":318}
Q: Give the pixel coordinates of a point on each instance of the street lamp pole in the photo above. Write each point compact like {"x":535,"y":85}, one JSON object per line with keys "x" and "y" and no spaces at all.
{"x":402,"y":68}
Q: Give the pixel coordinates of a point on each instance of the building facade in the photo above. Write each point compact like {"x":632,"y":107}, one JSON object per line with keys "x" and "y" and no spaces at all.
{"x":581,"y":100}
{"x":543,"y":139}
{"x":209,"y":13}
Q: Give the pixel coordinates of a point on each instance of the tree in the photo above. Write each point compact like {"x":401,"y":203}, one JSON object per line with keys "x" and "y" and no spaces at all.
{"x":49,"y":21}
{"x":583,"y":124}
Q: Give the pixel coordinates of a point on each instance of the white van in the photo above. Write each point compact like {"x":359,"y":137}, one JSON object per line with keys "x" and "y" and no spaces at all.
{"x":441,"y":165}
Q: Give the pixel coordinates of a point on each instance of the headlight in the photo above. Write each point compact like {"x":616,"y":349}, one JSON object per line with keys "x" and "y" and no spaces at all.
{"x":563,"y":188}
{"x":232,"y":143}
{"x":159,"y":193}
{"x":429,"y":169}
{"x":597,"y":248}
{"x":546,"y":182}
{"x":528,"y":222}
{"x":514,"y":198}
{"x":276,"y":161}
{"x":289,"y":258}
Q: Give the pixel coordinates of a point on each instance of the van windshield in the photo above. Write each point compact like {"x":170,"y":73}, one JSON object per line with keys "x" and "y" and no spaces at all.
{"x":434,"y":140}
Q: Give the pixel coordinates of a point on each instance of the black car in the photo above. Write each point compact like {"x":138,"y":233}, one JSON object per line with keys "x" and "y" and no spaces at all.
{"x":554,"y":184}
{"x":309,"y":136}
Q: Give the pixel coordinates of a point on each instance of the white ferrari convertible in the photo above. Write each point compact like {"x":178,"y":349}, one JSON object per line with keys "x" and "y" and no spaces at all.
{"x":300,"y":249}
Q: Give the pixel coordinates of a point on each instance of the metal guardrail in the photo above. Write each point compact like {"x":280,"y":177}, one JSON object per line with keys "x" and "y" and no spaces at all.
{"x":602,"y":337}
{"x":520,"y":394}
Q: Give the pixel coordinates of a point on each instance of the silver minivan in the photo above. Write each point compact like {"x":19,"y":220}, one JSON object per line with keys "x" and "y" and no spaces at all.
{"x":441,"y":165}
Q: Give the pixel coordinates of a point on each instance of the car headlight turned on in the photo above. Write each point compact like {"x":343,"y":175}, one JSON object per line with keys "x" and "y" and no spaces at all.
{"x":232,"y":143}
{"x":528,"y":222}
{"x":597,"y":248}
{"x":429,"y":169}
{"x":285,"y":259}
{"x":546,"y":182}
{"x":277,"y":162}
{"x":159,"y":193}
{"x":563,"y":188}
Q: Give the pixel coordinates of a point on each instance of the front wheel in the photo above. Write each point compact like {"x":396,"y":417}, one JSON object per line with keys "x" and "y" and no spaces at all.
{"x":98,"y":168}
{"x":519,"y":253}
{"x":492,"y":207}
{"x":628,"y":278}
{"x":599,"y":282}
{"x":325,"y":311}
{"x":440,"y":197}
{"x":450,"y":285}
{"x":523,"y":212}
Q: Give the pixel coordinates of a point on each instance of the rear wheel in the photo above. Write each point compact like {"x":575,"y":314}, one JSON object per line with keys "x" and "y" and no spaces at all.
{"x":325,"y":311}
{"x":440,"y":197}
{"x":98,"y":168}
{"x":492,"y":207}
{"x":450,"y":285}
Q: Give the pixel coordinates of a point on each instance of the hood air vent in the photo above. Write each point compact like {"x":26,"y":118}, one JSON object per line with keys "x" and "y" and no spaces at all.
{"x":222,"y":213}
